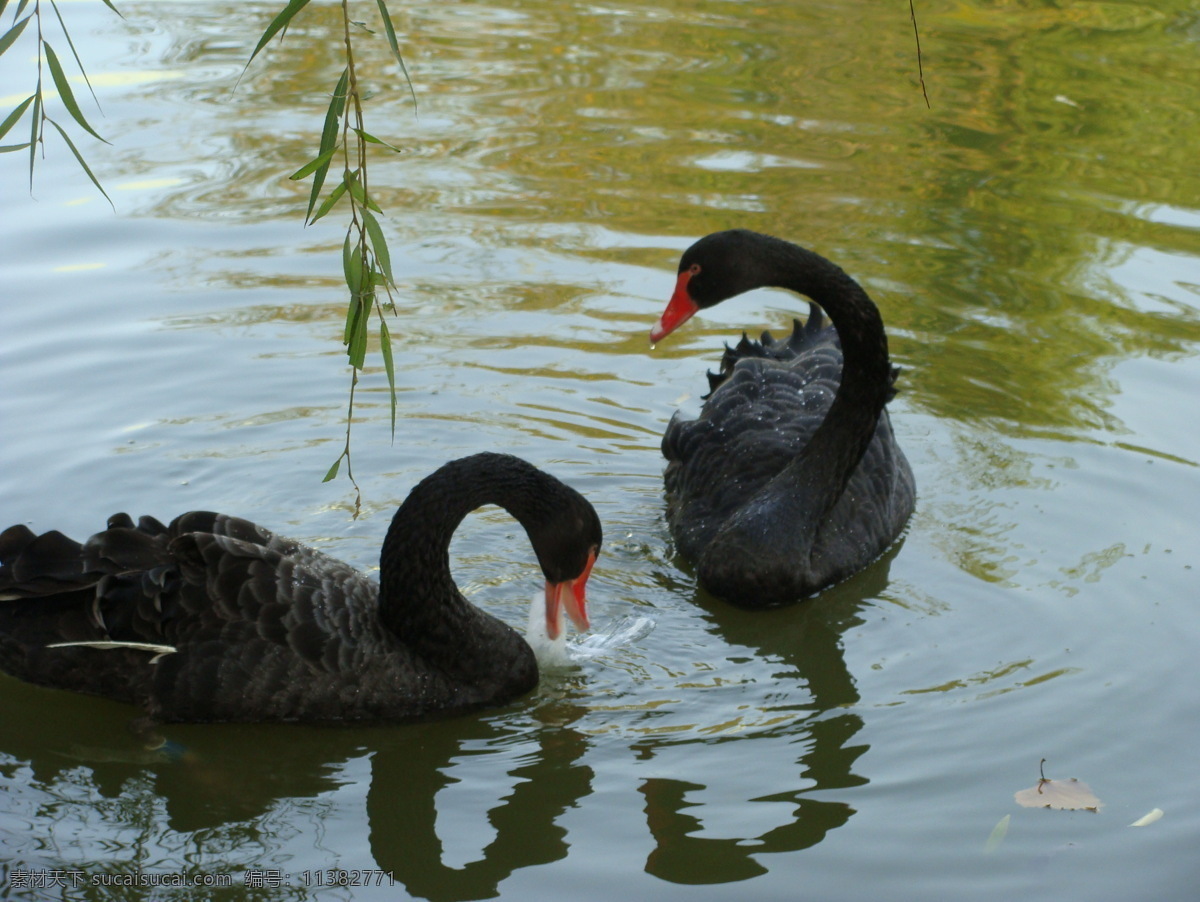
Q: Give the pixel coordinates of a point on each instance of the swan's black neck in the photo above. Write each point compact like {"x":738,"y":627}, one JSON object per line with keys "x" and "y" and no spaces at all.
{"x":842,"y":438}
{"x":417,"y":594}
{"x":737,"y":261}
{"x":733,"y":262}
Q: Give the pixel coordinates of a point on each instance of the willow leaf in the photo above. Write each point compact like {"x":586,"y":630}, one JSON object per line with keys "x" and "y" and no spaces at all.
{"x":108,"y":3}
{"x":75,"y":53}
{"x":334,"y":196}
{"x":391,"y":36}
{"x":333,"y":115}
{"x":379,"y":245}
{"x":366,"y":136}
{"x":358,"y":315}
{"x":13,"y":33}
{"x":35,"y":133}
{"x":360,"y":194}
{"x":313,"y":165}
{"x":280,"y":21}
{"x":64,"y":91}
{"x":385,"y":345}
{"x":11,"y":119}
{"x":352,"y":272}
{"x":333,"y":471}
{"x":357,"y":351}
{"x":10,"y":148}
{"x":353,"y":312}
{"x":329,"y":136}
{"x":82,"y":162}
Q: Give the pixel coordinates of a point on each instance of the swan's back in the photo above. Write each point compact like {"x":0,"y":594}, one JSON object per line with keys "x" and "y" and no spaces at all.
{"x":213,"y":618}
{"x":766,"y":403}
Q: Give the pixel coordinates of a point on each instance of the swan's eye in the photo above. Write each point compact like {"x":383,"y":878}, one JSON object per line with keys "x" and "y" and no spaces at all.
{"x":694,"y":269}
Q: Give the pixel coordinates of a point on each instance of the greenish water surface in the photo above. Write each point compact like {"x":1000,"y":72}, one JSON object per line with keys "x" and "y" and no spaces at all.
{"x":1033,"y":240}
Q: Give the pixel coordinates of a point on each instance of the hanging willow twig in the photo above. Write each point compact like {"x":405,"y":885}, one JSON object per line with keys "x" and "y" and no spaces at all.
{"x":920,"y":68}
{"x":39,"y":118}
{"x":366,"y":261}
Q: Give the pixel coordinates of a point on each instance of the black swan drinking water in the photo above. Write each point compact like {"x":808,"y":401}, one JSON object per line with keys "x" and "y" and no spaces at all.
{"x":216,"y":619}
{"x":790,"y":479}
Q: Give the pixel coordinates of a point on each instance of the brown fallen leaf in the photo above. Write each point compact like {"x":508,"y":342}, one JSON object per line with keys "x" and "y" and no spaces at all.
{"x":1063,"y":795}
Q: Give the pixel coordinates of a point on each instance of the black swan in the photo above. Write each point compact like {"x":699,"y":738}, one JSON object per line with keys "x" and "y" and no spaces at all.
{"x":790,"y":479}
{"x":216,"y":619}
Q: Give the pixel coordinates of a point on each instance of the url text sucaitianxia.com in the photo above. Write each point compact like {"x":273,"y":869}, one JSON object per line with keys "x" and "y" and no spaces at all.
{"x":45,"y":878}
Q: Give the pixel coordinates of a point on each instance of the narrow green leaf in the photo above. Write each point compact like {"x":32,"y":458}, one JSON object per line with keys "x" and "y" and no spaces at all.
{"x":313,"y":165}
{"x":385,"y":344}
{"x":333,"y":471}
{"x":20,"y":9}
{"x":359,"y":310}
{"x":353,"y":312}
{"x":12,"y":34}
{"x":358,"y":313}
{"x":337,"y":105}
{"x":352,"y":265}
{"x":64,"y":91}
{"x":334,"y":196}
{"x":360,"y":195}
{"x":108,"y":3}
{"x":379,"y":245}
{"x":373,"y":140}
{"x":391,"y":36}
{"x":9,"y":148}
{"x":329,"y":138}
{"x":352,"y":183}
{"x":87,"y":81}
{"x":82,"y":162}
{"x":357,"y":351}
{"x":280,"y":21}
{"x":11,"y":119}
{"x":35,"y":123}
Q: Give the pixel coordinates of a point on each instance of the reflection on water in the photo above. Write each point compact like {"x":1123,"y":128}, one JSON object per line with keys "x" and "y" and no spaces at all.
{"x":244,"y":793}
{"x":1032,"y":241}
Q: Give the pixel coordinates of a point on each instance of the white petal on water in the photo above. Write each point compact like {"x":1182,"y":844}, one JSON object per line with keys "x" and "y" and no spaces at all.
{"x":998,"y":834}
{"x":1148,"y":818}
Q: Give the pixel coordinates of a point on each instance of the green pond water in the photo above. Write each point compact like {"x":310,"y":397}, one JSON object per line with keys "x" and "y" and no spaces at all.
{"x":1033,"y":241}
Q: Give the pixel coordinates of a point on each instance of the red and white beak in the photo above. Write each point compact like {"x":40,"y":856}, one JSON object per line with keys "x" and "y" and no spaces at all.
{"x":679,"y":310}
{"x":569,"y":596}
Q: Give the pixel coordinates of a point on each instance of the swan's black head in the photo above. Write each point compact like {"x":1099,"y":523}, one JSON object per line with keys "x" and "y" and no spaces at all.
{"x":566,"y":534}
{"x":566,"y":537}
{"x":718,"y":267}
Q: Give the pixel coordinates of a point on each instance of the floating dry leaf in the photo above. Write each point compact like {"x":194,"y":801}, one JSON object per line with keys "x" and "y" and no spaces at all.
{"x":1148,"y":818}
{"x":1064,"y":795}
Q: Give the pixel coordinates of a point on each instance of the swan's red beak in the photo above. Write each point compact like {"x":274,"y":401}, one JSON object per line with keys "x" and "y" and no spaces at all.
{"x":679,"y":310}
{"x":569,"y":596}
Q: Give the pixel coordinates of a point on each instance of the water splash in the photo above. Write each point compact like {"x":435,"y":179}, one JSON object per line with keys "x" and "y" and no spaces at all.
{"x":560,"y":654}
{"x":618,"y":634}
